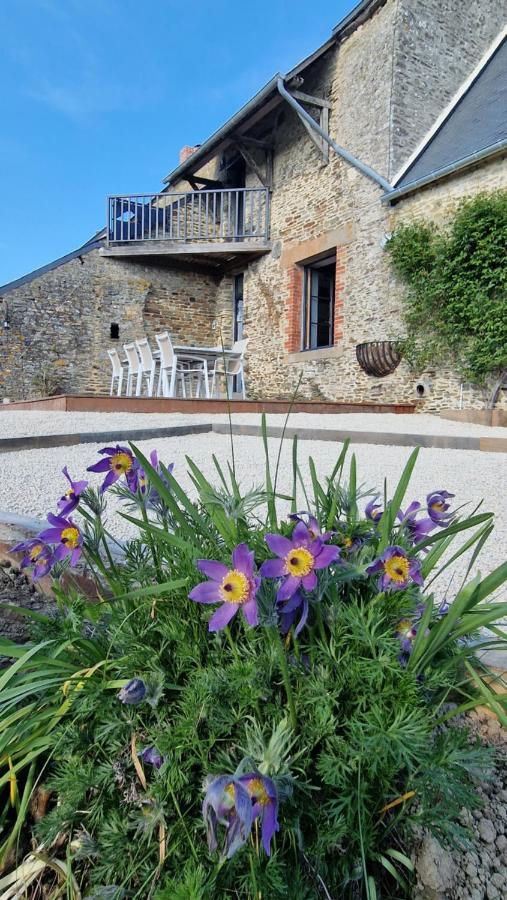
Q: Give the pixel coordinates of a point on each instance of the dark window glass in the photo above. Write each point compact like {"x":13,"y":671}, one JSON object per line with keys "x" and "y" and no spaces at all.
{"x":319,"y":281}
{"x":114,"y":332}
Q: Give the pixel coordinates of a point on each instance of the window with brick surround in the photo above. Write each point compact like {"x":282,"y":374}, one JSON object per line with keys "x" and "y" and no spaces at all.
{"x":319,"y":279}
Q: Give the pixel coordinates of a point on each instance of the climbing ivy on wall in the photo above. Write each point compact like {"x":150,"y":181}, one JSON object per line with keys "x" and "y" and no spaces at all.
{"x":455,"y":306}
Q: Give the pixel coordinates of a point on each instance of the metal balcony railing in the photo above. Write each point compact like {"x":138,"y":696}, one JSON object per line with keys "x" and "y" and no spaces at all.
{"x":231,"y":214}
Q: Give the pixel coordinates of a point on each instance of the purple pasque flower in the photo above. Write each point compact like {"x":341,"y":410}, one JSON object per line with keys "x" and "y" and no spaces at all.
{"x":228,"y":803}
{"x":68,"y":502}
{"x":289,"y":611}
{"x":373,"y":510}
{"x":416,"y":529}
{"x":406,"y":632}
{"x":298,"y":559}
{"x":152,"y":756}
{"x":438,"y":508}
{"x":37,"y":554}
{"x":66,"y":536}
{"x":312,"y":525}
{"x":234,"y":588}
{"x":397,"y":569}
{"x":264,"y":796}
{"x":133,"y":692}
{"x":119,"y":461}
{"x":139,"y":480}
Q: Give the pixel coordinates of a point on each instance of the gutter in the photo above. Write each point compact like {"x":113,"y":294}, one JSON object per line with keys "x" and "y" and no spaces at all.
{"x":224,"y":131}
{"x":394,"y":194}
{"x":340,"y":151}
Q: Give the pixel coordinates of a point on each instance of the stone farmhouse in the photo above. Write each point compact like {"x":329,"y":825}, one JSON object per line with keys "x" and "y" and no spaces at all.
{"x":274,"y":227}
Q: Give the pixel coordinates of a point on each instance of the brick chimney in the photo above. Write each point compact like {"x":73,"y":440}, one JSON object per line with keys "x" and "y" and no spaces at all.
{"x":185,"y":152}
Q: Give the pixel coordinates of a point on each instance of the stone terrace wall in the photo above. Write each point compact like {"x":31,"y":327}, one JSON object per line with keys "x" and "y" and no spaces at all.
{"x":60,"y":322}
{"x":437,"y":44}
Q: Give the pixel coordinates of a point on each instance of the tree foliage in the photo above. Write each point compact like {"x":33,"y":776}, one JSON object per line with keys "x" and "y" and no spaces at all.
{"x":456,"y":303}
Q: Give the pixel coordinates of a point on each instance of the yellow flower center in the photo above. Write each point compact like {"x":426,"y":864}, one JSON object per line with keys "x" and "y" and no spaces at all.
{"x":299,"y":562}
{"x":257,"y":791}
{"x":397,"y":568}
{"x":404,"y":627}
{"x":229,"y":796}
{"x":235,"y":587}
{"x":376,"y":513}
{"x":36,"y":551}
{"x":438,"y":505}
{"x":70,"y":537}
{"x":121,"y":463}
{"x":347,"y":542}
{"x":69,"y":494}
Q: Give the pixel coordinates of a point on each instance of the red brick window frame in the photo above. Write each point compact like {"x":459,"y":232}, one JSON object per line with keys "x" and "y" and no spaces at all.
{"x":294,"y":305}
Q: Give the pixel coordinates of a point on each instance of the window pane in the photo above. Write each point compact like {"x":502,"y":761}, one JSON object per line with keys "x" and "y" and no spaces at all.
{"x":319,"y":306}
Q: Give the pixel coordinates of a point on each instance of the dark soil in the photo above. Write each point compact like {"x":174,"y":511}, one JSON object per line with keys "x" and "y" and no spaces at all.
{"x":15,"y":590}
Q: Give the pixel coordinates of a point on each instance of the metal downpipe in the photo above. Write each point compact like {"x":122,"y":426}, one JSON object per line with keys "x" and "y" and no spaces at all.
{"x":340,"y":151}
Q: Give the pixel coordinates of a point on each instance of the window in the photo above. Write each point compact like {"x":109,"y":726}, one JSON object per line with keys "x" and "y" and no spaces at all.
{"x":114,"y":332}
{"x":318,"y":304}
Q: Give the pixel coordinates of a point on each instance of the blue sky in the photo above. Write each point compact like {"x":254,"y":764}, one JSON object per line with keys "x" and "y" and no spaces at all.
{"x":98,"y":96}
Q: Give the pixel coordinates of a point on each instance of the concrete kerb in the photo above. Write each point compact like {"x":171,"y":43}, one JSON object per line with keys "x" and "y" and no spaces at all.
{"x":451,"y":442}
{"x":39,"y":441}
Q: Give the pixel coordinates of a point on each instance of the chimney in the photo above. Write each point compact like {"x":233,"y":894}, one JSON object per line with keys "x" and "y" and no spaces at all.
{"x":185,"y":152}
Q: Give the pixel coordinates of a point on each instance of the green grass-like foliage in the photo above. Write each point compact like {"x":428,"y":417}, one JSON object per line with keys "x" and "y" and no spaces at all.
{"x":455,"y":307}
{"x":352,"y":737}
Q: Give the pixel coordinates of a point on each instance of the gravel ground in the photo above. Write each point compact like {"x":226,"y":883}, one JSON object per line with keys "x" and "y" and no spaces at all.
{"x":32,"y":422}
{"x":31,"y":481}
{"x":478,"y":871}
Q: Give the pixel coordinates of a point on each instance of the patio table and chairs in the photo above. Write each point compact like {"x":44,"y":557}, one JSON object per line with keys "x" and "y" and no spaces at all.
{"x":187,"y":369}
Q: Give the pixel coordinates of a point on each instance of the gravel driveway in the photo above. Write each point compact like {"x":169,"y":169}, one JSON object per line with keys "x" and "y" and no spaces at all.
{"x":31,"y":481}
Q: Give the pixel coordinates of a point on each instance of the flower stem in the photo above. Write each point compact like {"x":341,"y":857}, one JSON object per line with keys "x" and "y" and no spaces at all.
{"x":282,"y":659}
{"x":178,"y":810}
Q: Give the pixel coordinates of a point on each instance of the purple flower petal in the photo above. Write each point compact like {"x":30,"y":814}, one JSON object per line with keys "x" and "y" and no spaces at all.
{"x":375,"y":567}
{"x":301,"y":536}
{"x":51,"y":535}
{"x":279,"y":544}
{"x":223,"y":615}
{"x":327,"y":555}
{"x":101,"y":466}
{"x":213,"y":569}
{"x":206,"y":592}
{"x":273,"y":568}
{"x":250,"y":612}
{"x":110,"y":479}
{"x":269,"y":826}
{"x":243,"y":560}
{"x":309,"y":581}
{"x":288,"y":588}
{"x":302,"y":622}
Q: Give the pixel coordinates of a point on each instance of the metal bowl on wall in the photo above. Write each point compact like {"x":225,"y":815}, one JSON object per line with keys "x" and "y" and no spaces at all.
{"x":378,"y":358}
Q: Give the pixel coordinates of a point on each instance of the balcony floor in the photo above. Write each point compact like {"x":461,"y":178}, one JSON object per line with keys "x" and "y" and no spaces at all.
{"x":215,"y":254}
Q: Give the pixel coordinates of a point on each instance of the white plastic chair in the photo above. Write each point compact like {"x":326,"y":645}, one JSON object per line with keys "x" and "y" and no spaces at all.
{"x":133,"y":365}
{"x":172,"y":370}
{"x":117,"y":372}
{"x":147,"y":367}
{"x":229,"y":367}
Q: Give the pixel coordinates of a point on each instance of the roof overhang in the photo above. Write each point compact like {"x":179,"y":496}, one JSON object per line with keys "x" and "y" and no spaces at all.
{"x":454,"y":168}
{"x":264,"y":100}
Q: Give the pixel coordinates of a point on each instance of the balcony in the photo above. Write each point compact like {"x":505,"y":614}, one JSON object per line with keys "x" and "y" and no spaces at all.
{"x":214,"y":226}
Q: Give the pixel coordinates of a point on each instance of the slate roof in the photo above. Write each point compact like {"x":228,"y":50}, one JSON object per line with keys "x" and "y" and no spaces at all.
{"x":477,"y":123}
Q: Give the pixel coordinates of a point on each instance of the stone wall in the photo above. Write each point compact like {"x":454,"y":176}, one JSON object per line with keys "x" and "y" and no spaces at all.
{"x":60,"y":322}
{"x":437,"y":44}
{"x":316,"y":207}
